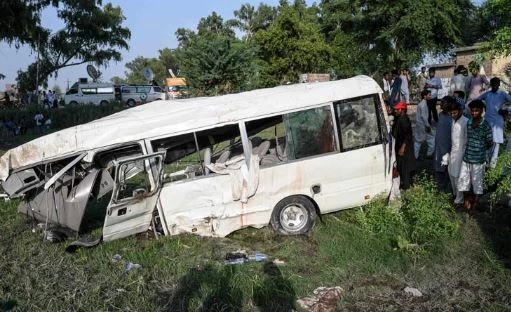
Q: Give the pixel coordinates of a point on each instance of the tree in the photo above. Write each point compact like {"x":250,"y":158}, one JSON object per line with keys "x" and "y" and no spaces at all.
{"x":292,"y":45}
{"x":135,"y":69}
{"x":21,"y":21}
{"x":497,"y":13}
{"x":213,"y":26}
{"x":396,"y":33}
{"x":249,"y":20}
{"x":214,"y":66}
{"x":92,"y":34}
{"x":212,"y":60}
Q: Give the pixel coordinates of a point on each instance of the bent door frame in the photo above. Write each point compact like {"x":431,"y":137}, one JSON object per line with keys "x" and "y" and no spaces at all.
{"x":133,"y":215}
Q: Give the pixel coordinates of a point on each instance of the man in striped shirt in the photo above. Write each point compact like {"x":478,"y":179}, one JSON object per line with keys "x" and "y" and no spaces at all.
{"x":479,"y":140}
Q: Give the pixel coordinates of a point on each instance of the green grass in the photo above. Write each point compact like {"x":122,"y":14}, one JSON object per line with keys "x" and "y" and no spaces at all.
{"x":186,"y":272}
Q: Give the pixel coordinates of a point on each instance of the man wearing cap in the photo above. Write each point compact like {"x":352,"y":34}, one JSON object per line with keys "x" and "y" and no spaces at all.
{"x":495,"y":112}
{"x":402,"y":132}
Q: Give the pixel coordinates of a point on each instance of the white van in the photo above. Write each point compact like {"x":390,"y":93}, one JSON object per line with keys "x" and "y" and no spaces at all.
{"x":133,"y":95}
{"x":90,"y":93}
{"x":277,"y":156}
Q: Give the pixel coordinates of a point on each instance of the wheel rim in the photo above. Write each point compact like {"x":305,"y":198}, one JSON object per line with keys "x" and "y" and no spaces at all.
{"x":293,"y":217}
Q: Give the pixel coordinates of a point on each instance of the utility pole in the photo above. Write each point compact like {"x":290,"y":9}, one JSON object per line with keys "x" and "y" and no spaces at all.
{"x":37,"y":68}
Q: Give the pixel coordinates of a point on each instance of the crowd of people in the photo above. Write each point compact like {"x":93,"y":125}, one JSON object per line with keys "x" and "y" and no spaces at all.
{"x":462,"y":140}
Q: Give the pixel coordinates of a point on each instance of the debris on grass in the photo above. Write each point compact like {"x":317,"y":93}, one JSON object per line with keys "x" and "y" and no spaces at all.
{"x":325,"y":299}
{"x":414,"y":291}
{"x":278,"y":262}
{"x":132,"y":266}
{"x":116,"y":258}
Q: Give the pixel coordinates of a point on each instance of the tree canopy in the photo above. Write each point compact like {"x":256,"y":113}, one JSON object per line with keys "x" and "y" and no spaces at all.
{"x":92,"y":34}
{"x":264,"y":45}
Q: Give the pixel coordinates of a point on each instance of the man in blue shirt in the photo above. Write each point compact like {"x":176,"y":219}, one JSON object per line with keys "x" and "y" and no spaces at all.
{"x":495,"y":112}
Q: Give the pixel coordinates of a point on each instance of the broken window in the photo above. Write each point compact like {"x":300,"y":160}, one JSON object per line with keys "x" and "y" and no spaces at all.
{"x":188,"y":155}
{"x":357,"y":122}
{"x":309,"y":132}
{"x":268,"y":139}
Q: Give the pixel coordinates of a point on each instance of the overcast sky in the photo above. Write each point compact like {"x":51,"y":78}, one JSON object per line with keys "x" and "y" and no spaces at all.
{"x":152,"y":24}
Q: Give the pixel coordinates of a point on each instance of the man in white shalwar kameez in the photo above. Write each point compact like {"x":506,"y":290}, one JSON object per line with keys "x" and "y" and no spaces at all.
{"x":458,"y":143}
{"x":423,"y":132}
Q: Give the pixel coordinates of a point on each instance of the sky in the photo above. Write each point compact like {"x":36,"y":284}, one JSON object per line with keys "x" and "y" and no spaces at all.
{"x":153,"y":24}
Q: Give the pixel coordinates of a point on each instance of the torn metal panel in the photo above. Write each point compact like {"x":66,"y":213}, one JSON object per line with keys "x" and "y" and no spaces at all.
{"x":61,"y":204}
{"x":20,"y":182}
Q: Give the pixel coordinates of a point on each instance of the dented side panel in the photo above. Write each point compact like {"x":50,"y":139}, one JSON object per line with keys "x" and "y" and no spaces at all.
{"x":205,"y":207}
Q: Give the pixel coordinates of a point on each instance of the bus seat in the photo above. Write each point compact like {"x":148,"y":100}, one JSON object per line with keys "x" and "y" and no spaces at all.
{"x":207,"y":160}
{"x":223,"y":157}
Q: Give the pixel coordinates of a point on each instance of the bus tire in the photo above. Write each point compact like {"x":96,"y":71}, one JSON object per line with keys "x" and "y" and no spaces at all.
{"x":293,"y":215}
{"x":103,"y":103}
{"x":131,"y":103}
{"x":73,"y":103}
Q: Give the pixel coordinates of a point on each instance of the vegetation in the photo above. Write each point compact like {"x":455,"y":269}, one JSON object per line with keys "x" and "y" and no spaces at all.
{"x":82,"y":39}
{"x":62,"y":118}
{"x":186,"y":272}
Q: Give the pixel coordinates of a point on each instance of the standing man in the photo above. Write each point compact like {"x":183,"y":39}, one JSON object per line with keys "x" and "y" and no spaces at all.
{"x":402,"y":132}
{"x":405,"y":79}
{"x":459,"y":81}
{"x":422,"y":77}
{"x":423,"y":131}
{"x":495,"y":112}
{"x":387,"y":79}
{"x":433,"y":84}
{"x":458,"y":145}
{"x":443,"y":143}
{"x":395,"y":92}
{"x":475,"y":84}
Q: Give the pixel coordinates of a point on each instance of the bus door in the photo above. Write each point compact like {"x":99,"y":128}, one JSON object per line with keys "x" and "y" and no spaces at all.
{"x":136,"y":190}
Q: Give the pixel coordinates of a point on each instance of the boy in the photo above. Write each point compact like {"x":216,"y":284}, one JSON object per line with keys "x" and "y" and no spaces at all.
{"x":458,"y":144}
{"x":423,"y":131}
{"x":479,"y":140}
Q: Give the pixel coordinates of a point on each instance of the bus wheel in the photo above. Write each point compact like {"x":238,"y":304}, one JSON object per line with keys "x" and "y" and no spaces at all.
{"x":131,"y":103}
{"x":103,"y":103}
{"x":73,"y":103}
{"x":293,"y":215}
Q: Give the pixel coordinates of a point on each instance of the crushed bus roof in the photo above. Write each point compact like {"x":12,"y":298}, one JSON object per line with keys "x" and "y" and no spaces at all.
{"x":161,"y":118}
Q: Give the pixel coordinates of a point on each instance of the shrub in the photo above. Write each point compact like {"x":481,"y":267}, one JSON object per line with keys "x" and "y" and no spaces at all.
{"x":425,"y":216}
{"x":380,"y":218}
{"x":428,"y":214}
{"x":497,"y":180}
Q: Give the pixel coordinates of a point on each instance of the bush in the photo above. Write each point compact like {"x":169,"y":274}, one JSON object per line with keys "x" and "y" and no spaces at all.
{"x":63,"y":117}
{"x":497,"y":181}
{"x":380,"y":218}
{"x":428,"y":214}
{"x":425,"y":216}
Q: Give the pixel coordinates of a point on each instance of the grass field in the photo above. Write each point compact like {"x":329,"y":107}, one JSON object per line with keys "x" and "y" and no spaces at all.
{"x":186,"y":272}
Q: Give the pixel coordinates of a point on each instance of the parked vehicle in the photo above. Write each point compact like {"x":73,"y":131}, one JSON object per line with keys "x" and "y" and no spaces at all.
{"x":90,"y":93}
{"x":177,"y":92}
{"x":133,"y":95}
{"x":276,"y":156}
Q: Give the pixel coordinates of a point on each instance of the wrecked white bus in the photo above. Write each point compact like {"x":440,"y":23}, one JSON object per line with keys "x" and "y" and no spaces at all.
{"x":214,"y":165}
